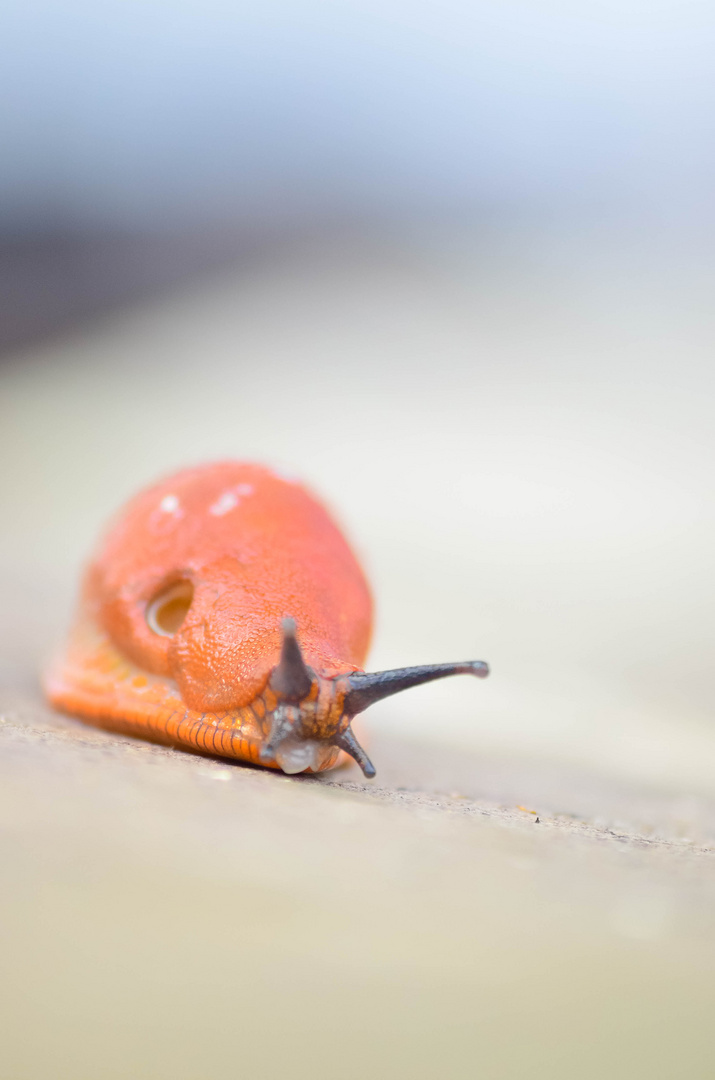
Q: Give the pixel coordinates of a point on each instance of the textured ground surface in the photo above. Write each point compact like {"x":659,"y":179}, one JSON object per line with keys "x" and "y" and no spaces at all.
{"x":167,"y":915}
{"x":527,"y":889}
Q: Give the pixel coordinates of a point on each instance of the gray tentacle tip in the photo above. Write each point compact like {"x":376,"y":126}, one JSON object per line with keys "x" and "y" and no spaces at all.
{"x":346,"y":741}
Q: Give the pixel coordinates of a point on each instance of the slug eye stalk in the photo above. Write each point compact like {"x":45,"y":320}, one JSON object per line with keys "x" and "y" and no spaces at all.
{"x":292,"y":678}
{"x":368,"y":687}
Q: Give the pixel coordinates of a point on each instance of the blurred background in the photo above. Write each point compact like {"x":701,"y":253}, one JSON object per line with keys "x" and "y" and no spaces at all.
{"x":452,"y":264}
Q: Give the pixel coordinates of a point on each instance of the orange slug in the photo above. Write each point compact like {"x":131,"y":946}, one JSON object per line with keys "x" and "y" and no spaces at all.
{"x":225,"y":611}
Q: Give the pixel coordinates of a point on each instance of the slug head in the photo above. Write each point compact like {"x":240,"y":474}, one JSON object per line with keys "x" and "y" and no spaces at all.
{"x":313,"y":714}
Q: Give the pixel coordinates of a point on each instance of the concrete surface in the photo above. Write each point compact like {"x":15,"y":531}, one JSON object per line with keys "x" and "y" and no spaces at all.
{"x":165,"y":915}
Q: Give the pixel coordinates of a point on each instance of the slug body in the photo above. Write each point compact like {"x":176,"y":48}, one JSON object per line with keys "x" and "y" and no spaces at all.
{"x":225,"y":611}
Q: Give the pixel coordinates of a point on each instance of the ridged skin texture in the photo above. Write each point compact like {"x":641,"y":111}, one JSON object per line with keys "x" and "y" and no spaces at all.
{"x":257,"y":548}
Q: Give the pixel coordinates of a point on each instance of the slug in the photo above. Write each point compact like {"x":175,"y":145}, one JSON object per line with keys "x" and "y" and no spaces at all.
{"x":225,"y":611}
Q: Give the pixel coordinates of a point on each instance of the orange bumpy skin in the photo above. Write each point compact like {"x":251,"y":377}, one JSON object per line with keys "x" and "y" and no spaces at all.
{"x":241,"y":549}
